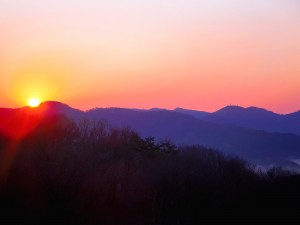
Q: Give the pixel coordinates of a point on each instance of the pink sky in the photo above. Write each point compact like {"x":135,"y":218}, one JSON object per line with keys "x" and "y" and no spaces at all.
{"x":173,"y":53}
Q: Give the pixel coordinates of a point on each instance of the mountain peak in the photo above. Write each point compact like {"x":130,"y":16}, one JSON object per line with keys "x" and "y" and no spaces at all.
{"x":252,"y":110}
{"x":230,"y":109}
{"x":56,"y":108}
{"x":54,"y":104}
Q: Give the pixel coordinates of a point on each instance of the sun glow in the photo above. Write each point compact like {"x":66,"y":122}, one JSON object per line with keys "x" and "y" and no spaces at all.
{"x":33,"y":102}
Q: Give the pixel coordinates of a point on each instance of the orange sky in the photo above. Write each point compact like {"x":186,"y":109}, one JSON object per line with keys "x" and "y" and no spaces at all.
{"x":143,"y":54}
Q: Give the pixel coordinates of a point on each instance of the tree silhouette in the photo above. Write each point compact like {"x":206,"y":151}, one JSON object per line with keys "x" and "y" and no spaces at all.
{"x":89,"y":172}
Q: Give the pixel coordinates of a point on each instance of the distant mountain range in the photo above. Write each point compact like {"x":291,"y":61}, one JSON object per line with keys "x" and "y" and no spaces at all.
{"x":255,"y":134}
{"x":252,"y":117}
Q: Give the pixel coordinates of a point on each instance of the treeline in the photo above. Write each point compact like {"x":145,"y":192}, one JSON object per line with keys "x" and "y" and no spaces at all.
{"x":92,"y":173}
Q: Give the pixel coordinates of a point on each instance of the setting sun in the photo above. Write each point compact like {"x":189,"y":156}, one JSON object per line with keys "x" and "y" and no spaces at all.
{"x":33,"y":102}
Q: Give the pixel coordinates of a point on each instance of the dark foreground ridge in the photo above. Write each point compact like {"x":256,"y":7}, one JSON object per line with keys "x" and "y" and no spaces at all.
{"x":90,"y":173}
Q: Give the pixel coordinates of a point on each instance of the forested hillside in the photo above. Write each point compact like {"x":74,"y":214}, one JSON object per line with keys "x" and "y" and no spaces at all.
{"x":92,"y":173}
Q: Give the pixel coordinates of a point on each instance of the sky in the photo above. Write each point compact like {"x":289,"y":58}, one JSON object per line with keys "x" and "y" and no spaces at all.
{"x":192,"y":54}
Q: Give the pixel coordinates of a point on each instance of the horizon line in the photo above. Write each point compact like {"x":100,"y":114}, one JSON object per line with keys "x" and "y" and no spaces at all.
{"x":147,"y":109}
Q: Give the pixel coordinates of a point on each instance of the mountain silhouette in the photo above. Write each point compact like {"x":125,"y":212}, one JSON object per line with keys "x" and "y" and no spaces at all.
{"x":225,"y":130}
{"x":194,"y":113}
{"x":252,"y":117}
{"x":53,"y":107}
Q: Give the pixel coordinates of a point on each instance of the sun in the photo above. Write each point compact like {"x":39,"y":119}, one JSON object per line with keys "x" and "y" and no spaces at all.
{"x":33,"y":102}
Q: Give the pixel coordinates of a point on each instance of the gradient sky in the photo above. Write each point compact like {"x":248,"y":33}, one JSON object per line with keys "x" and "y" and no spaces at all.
{"x":161,"y":53}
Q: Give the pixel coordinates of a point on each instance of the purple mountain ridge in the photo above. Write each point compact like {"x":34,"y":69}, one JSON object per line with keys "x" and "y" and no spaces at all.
{"x":252,"y":133}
